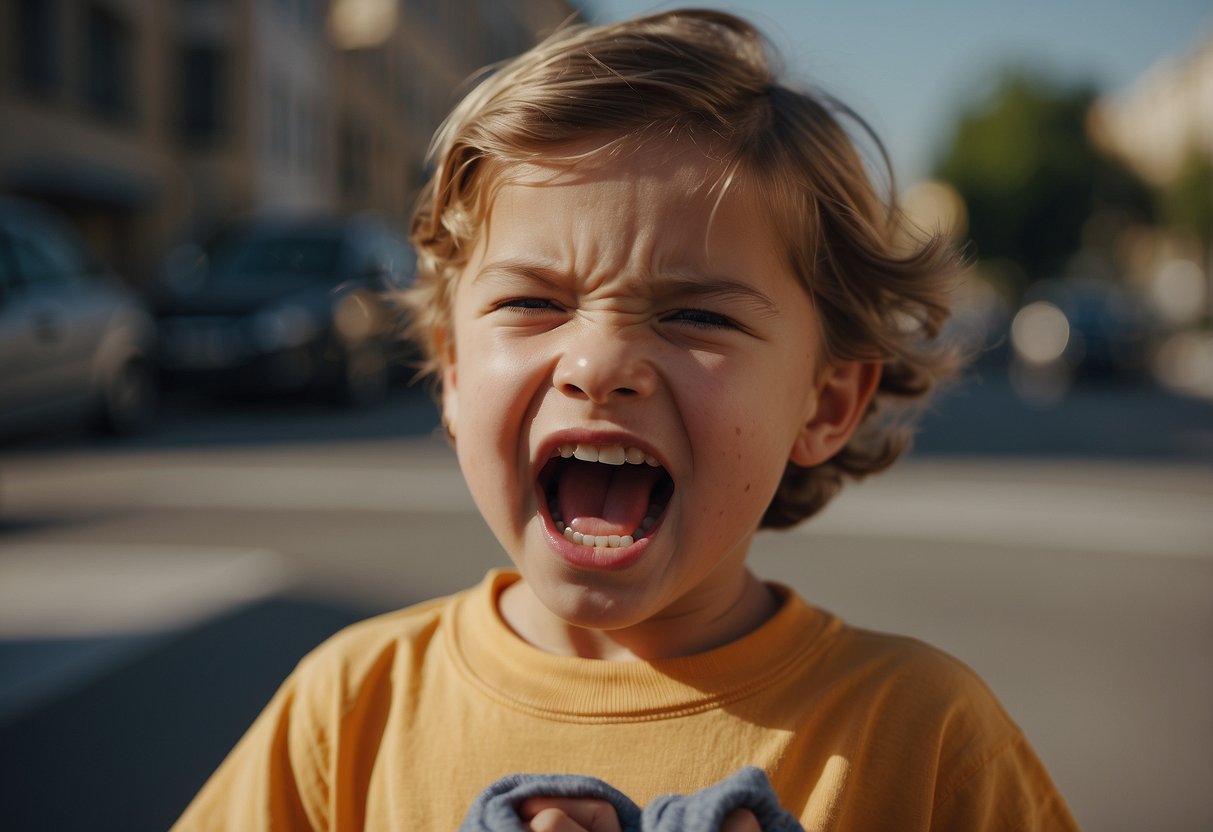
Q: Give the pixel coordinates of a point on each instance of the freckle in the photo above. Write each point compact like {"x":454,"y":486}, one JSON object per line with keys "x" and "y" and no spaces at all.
{"x":738,"y":430}
{"x":747,"y":486}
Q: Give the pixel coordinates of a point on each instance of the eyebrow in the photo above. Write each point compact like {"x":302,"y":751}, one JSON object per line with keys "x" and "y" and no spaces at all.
{"x":675,"y":284}
{"x":519,"y":268}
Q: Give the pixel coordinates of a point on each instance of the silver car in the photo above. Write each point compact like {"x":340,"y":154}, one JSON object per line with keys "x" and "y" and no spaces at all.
{"x":74,"y":342}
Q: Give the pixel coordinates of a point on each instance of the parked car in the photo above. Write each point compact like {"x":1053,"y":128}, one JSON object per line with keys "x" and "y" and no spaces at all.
{"x":278,"y":305}
{"x":74,"y":342}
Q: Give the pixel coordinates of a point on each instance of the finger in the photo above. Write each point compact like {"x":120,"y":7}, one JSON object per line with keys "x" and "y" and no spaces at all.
{"x":588,"y":814}
{"x":740,"y":820}
{"x":553,"y":820}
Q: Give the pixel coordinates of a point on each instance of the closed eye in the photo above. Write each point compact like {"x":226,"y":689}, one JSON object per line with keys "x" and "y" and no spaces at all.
{"x":702,"y":318}
{"x":528,"y":305}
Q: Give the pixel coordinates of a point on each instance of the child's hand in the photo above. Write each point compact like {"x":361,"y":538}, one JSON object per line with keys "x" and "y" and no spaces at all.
{"x":571,"y":814}
{"x":740,"y":820}
{"x":568,"y":814}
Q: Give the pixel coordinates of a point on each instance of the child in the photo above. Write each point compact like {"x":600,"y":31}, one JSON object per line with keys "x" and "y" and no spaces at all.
{"x":666,"y":307}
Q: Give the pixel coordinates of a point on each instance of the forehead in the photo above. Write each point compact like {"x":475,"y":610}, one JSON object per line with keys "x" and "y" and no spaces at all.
{"x":645,"y":211}
{"x":683,"y":166}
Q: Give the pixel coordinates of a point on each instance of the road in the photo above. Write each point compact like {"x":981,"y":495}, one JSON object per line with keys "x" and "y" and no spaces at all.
{"x":153,"y":593}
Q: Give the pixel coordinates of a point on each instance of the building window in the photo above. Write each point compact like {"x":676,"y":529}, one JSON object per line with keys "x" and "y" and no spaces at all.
{"x":109,"y":50}
{"x":202,"y":91}
{"x":36,"y":44}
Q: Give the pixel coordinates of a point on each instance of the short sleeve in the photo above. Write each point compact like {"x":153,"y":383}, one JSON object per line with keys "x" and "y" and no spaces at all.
{"x":275,"y":777}
{"x":1009,"y":789}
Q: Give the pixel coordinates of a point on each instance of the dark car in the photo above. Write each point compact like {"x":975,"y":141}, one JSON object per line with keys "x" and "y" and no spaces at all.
{"x":1089,"y":326}
{"x":74,"y":342}
{"x":291,"y":305}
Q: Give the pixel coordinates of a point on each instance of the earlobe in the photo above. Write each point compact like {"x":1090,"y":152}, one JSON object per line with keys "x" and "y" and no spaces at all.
{"x":450,"y":403}
{"x":843,"y":394}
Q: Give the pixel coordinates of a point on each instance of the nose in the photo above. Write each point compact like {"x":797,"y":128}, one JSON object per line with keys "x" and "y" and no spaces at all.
{"x":604,"y":365}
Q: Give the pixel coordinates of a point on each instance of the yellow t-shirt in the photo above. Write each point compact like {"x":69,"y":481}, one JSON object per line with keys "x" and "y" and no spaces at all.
{"x":400,"y":721}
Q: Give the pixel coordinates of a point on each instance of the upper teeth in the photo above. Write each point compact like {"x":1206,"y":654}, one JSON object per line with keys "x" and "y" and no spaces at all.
{"x":609,"y":454}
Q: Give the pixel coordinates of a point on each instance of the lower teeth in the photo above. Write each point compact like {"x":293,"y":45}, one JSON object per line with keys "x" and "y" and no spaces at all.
{"x":606,"y":541}
{"x":601,"y":541}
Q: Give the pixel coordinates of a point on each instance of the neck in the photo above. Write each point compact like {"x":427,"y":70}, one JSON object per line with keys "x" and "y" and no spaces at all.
{"x":677,"y":633}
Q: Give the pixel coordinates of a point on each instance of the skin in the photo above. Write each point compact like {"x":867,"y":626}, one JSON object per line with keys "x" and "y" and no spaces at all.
{"x":622,"y":303}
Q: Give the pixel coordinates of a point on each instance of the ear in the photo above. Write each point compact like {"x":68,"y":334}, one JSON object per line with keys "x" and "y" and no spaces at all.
{"x":444,"y":346}
{"x":843,"y":393}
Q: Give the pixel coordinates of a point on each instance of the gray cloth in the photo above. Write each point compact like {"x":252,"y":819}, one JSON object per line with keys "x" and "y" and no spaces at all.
{"x":495,"y":809}
{"x":706,"y":809}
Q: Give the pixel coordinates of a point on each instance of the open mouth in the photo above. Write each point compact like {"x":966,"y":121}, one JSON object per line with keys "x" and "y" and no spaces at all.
{"x":605,"y":496}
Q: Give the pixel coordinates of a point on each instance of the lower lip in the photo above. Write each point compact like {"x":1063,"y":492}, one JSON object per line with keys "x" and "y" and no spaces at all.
{"x":594,"y":557}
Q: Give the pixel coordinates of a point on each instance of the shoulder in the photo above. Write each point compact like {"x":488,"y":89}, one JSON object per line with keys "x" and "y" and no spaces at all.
{"x":370,"y":649}
{"x":932,"y":712}
{"x":404,"y":625}
{"x":286,"y":762}
{"x":862,"y":668}
{"x":873,"y":684}
{"x":925,"y":696}
{"x":914,"y":673}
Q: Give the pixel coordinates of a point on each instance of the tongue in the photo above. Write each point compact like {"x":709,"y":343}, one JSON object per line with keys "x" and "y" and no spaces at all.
{"x":605,"y":499}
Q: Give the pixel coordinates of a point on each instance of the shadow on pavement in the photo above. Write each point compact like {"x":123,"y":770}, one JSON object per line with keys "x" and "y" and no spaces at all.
{"x":128,"y":749}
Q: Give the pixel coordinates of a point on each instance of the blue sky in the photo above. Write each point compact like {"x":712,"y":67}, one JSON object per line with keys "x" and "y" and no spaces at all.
{"x":908,"y":67}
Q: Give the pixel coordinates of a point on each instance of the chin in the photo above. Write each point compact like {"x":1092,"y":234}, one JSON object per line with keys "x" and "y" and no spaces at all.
{"x":592,"y":605}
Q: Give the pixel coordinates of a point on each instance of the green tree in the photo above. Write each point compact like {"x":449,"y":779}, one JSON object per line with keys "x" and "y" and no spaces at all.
{"x":1030,"y":175}
{"x":1188,"y":201}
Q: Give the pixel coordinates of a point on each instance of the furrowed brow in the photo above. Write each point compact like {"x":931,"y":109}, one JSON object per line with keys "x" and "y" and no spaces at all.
{"x":666,"y":287}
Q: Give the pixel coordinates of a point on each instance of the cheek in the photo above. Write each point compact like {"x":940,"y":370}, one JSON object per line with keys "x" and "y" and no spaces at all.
{"x":740,"y":406}
{"x":740,"y":443}
{"x":499,"y":385}
{"x":750,"y":430}
{"x":492,"y":374}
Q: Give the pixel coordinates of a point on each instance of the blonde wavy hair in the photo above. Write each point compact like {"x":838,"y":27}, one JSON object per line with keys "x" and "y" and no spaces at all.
{"x":882,"y":288}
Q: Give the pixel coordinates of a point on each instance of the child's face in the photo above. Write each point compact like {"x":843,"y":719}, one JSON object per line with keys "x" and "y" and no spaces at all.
{"x":609,"y":309}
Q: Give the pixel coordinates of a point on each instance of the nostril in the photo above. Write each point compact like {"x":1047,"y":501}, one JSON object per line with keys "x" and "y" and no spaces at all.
{"x":574,"y":390}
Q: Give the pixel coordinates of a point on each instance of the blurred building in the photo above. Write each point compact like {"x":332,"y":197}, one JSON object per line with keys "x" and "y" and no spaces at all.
{"x":149,"y":123}
{"x":1162,"y":126}
{"x":1164,"y":117}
